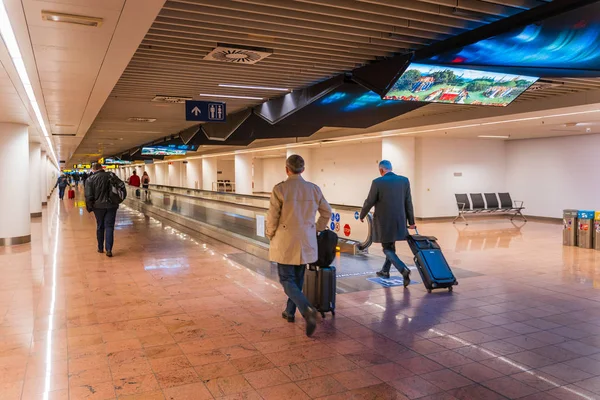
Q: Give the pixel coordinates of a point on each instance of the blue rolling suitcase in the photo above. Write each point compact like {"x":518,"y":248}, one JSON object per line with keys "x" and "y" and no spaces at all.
{"x":431,"y":263}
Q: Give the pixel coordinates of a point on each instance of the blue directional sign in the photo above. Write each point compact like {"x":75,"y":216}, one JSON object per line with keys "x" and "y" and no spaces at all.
{"x":337,"y":217}
{"x":356,"y":215}
{"x":205,"y":111}
{"x":332,"y":226}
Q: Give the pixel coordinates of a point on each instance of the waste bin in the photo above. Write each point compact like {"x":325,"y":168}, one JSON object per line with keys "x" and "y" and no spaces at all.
{"x":597,"y":231}
{"x":585,"y":232}
{"x":570,"y":227}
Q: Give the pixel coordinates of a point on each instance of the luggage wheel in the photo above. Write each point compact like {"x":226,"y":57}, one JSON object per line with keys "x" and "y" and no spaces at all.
{"x":323,"y":315}
{"x":428,"y":290}
{"x":450,"y":289}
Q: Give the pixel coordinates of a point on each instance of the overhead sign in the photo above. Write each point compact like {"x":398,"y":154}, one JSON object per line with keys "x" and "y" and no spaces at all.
{"x":205,"y":111}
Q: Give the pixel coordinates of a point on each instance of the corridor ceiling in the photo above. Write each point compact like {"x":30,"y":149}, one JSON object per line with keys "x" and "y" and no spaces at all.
{"x":307,"y":41}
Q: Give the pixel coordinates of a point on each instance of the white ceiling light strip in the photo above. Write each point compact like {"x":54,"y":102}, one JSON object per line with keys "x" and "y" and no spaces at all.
{"x":227,"y":85}
{"x":8,"y":36}
{"x":229,"y":96}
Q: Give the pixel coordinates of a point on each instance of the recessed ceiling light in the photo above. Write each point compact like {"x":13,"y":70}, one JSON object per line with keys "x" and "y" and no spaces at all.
{"x":71,"y":19}
{"x":140,"y":119}
{"x":494,"y":136}
{"x":228,"y":96}
{"x":227,"y":85}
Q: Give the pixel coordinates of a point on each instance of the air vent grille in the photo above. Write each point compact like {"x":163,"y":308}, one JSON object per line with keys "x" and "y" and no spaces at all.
{"x":170,"y":99}
{"x":237,"y":55}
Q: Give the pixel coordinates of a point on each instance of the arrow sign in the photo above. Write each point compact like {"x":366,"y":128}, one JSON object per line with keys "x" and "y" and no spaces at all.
{"x":205,"y":111}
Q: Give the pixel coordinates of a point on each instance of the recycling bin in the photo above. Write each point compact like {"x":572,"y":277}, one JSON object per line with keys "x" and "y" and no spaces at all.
{"x":597,"y":230}
{"x":585,"y":231}
{"x":570,"y":227}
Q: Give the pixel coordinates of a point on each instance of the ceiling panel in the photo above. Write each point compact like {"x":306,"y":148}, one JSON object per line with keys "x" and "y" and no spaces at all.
{"x":311,"y":40}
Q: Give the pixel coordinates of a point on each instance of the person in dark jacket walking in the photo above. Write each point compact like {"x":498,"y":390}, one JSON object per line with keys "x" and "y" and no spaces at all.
{"x":62,"y":182}
{"x":394,"y":215}
{"x":97,"y":200}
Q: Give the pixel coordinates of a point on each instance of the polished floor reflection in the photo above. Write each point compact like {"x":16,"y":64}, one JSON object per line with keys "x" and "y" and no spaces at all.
{"x":175,"y":316}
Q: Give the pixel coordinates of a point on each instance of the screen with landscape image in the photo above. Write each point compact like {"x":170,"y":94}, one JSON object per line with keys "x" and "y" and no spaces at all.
{"x":162,"y":151}
{"x":441,"y":84}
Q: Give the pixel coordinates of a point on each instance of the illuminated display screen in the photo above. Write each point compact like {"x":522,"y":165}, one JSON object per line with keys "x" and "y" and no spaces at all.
{"x":441,"y":84}
{"x":568,"y":41}
{"x":116,"y":161}
{"x":186,"y":147}
{"x":162,"y":151}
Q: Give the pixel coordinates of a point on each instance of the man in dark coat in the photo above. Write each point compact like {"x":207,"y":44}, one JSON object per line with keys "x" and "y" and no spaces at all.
{"x":394,"y":215}
{"x":97,"y":199}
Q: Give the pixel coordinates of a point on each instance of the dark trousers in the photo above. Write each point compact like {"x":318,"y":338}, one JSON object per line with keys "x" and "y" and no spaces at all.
{"x":292,"y":279}
{"x":105,"y":226}
{"x":61,"y":192}
{"x":389,"y":249}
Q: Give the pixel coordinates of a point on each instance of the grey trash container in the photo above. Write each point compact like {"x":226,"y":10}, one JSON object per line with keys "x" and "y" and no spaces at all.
{"x":585,"y":231}
{"x":570,"y":227}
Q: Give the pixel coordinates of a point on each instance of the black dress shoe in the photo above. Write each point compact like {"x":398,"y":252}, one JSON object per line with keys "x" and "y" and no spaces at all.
{"x":311,"y":321}
{"x":109,"y":254}
{"x":406,"y":277}
{"x":290,"y":318}
{"x":385,"y":275}
{"x":100,"y":251}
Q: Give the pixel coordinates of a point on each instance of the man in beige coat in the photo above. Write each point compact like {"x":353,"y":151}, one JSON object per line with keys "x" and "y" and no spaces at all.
{"x":292,"y":230}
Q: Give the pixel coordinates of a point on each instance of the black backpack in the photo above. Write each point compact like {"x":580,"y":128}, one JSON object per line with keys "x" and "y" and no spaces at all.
{"x":117,"y":192}
{"x":327,"y":243}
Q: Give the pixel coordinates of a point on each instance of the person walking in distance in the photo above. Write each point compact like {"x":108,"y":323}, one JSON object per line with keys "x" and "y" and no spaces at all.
{"x":145,"y":184}
{"x":394,"y":215}
{"x":292,"y":230}
{"x":134,"y":180}
{"x":62,"y":182}
{"x":97,"y":200}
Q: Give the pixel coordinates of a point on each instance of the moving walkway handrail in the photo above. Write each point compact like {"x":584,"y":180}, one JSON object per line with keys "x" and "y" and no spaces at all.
{"x":365,"y":244}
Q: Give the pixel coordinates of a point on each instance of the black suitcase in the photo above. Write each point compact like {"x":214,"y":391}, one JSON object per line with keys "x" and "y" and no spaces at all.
{"x":431,"y":263}
{"x":319,"y":288}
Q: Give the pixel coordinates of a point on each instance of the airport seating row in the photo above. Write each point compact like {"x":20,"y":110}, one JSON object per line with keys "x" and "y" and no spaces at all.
{"x":488,"y":203}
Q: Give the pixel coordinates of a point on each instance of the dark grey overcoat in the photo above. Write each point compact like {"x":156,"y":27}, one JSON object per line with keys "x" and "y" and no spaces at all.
{"x":390,"y":195}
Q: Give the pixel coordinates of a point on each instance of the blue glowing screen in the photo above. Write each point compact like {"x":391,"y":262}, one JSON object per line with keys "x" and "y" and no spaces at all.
{"x":567,"y":41}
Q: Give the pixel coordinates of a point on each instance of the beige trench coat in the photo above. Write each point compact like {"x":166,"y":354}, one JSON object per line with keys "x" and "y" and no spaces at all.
{"x":291,"y":223}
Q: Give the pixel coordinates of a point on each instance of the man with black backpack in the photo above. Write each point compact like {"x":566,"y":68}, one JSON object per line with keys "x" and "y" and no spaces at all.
{"x":104,"y":191}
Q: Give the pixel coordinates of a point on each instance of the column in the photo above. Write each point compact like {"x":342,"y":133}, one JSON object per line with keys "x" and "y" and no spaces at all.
{"x":174,"y":174}
{"x":194,"y":174}
{"x":243,"y":173}
{"x":162,"y":174}
{"x":400,"y":151}
{"x":258,"y":172}
{"x":35,"y":180}
{"x":15,"y":219}
{"x":44,"y":178}
{"x":209,"y":173}
{"x":306,"y":154}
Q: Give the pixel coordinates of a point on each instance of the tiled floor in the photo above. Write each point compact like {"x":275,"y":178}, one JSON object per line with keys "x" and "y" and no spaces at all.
{"x":172,"y":317}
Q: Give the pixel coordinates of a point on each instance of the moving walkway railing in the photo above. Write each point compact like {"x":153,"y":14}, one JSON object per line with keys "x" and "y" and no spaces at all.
{"x":240,"y":214}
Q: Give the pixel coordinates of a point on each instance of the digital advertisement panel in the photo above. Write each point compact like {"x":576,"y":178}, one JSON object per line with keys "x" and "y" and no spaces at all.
{"x":441,"y":84}
{"x":162,"y":151}
{"x":568,"y":41}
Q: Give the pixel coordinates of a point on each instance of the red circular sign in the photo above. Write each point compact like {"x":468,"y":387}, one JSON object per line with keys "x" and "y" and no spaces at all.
{"x":347,"y":230}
